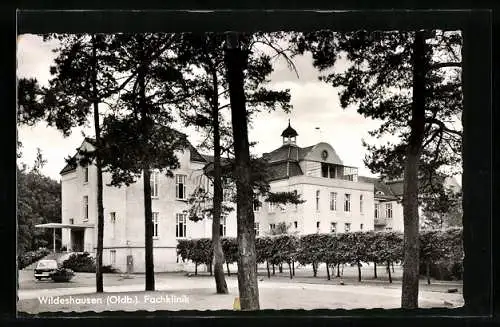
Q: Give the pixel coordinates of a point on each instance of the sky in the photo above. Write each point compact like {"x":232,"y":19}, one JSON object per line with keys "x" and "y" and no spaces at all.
{"x":316,"y":115}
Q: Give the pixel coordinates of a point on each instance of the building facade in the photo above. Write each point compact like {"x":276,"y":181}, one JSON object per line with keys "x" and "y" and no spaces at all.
{"x":336,"y":200}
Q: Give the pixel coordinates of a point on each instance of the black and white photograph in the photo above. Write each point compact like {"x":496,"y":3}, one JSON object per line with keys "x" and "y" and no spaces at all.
{"x":239,"y":171}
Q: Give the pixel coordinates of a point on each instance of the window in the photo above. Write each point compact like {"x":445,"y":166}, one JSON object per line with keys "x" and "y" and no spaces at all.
{"x":272,"y":227}
{"x":222,"y":228}
{"x":361,"y":203}
{"x":85,"y":174}
{"x":153,"y":181}
{"x":347,"y":227}
{"x":361,"y":226}
{"x":112,"y":216}
{"x":256,"y":228}
{"x":112,"y":257}
{"x":333,"y":227}
{"x":317,"y":226}
{"x":71,"y":221}
{"x":324,"y":170}
{"x":226,"y":195}
{"x":180,"y":188}
{"x":388,"y":210}
{"x":377,"y":210}
{"x":283,"y":207}
{"x":333,"y":201}
{"x":347,"y":203}
{"x":388,"y":229}
{"x":256,"y":205}
{"x":317,"y":200}
{"x":295,"y":224}
{"x":155,"y":224}
{"x":180,"y":227}
{"x":85,"y":207}
{"x":271,"y":207}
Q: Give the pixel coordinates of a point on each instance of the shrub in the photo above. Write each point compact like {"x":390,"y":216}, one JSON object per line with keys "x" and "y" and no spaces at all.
{"x":30,"y":257}
{"x":62,"y":275}
{"x":80,"y":262}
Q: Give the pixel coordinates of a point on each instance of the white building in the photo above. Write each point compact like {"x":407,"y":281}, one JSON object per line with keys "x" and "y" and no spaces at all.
{"x":337,"y":199}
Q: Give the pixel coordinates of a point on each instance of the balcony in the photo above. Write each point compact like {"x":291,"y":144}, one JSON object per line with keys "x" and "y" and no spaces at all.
{"x":380,"y":221}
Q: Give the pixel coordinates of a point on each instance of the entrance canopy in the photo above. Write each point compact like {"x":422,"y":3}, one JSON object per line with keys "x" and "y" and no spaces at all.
{"x":60,"y":225}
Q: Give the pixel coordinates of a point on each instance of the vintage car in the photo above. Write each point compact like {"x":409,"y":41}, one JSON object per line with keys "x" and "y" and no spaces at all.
{"x":45,"y":268}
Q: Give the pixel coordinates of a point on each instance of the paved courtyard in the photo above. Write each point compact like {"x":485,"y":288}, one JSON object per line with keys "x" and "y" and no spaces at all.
{"x":176,"y":291}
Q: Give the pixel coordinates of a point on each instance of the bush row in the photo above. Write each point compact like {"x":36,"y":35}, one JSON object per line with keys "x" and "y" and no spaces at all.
{"x":83,"y":262}
{"x":443,"y":246}
{"x":30,"y":257}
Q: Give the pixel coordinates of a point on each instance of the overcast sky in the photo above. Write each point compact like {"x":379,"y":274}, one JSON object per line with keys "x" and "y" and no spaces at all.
{"x":315,"y":104}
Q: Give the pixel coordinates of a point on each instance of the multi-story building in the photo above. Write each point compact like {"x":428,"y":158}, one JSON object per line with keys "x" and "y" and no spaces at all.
{"x":336,"y":200}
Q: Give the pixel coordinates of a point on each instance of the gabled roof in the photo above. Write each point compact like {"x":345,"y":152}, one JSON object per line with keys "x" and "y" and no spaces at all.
{"x":279,"y":170}
{"x":381,"y":189}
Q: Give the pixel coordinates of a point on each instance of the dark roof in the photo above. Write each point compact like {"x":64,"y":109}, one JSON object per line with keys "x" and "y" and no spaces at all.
{"x":287,"y":152}
{"x":379,"y":186}
{"x":195,"y":155}
{"x":70,"y":166}
{"x":289,"y":131}
{"x":279,"y":170}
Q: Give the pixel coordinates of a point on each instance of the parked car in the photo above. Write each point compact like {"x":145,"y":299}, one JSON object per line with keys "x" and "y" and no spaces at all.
{"x":45,"y":268}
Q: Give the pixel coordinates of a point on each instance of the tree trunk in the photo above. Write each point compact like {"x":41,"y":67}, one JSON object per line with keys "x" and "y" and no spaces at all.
{"x":235,"y":60}
{"x":148,"y":225}
{"x":274,"y":270}
{"x":389,"y":271}
{"x":210,"y":268}
{"x":293,"y":268}
{"x":268,"y":272}
{"x":338,"y":270}
{"x":100,"y":206}
{"x":409,"y":298}
{"x":290,"y":268}
{"x":428,"y":272}
{"x":359,"y":271}
{"x":196,"y":268}
{"x":342,"y":273}
{"x":327,"y":271}
{"x":228,"y":272}
{"x":148,"y":214}
{"x":220,"y":281}
{"x":315,"y":269}
{"x":392,"y":266}
{"x":375,"y":270}
{"x":280,"y":268}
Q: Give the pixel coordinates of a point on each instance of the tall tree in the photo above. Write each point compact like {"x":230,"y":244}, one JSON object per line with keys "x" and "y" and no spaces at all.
{"x":81,"y":80}
{"x":412,"y":82}
{"x":235,"y":62}
{"x":202,"y":56}
{"x":137,"y":138}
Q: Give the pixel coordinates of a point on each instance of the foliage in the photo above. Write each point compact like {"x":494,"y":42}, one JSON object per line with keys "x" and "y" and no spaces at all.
{"x":284,"y":198}
{"x":62,"y":275}
{"x":443,"y":248}
{"x":27,"y":258}
{"x":83,"y":262}
{"x":38,"y":202}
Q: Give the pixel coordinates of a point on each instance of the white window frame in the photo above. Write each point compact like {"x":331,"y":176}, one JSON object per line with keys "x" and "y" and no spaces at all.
{"x":85,"y":174}
{"x":361,"y":199}
{"x":317,"y":199}
{"x":153,"y":181}
{"x":333,"y":201}
{"x":156,"y":225}
{"x":347,"y":202}
{"x":256,"y":228}
{"x":223,"y":224}
{"x":347,"y":227}
{"x":333,"y":227}
{"x":296,"y":224}
{"x":112,"y":257}
{"x":388,"y":210}
{"x":112,"y":218}
{"x":180,"y":181}
{"x":85,"y":207}
{"x":377,"y":210}
{"x":180,"y":218}
{"x":272,"y":227}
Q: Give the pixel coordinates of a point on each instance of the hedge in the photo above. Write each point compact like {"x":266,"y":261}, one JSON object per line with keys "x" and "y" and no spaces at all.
{"x":83,"y":262}
{"x":436,"y":247}
{"x":27,"y":258}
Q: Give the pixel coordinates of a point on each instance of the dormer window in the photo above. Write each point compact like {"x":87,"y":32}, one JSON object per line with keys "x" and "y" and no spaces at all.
{"x":379,"y":193}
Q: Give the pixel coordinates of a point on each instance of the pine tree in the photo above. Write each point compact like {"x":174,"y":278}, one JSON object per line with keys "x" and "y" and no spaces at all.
{"x":411,"y":81}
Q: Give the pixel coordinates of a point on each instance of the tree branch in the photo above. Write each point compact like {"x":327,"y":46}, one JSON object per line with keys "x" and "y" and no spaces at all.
{"x":445,"y":64}
{"x":443,"y":126}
